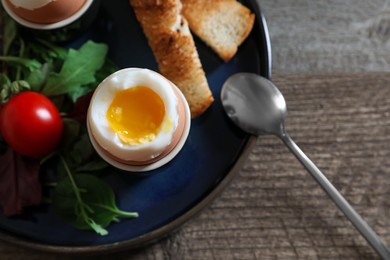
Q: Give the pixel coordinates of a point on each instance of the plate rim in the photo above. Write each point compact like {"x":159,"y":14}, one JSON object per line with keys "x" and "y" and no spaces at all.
{"x":157,"y":234}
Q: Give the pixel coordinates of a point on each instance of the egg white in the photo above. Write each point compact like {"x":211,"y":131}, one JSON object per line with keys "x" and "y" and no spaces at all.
{"x":107,"y":138}
{"x":30,"y":4}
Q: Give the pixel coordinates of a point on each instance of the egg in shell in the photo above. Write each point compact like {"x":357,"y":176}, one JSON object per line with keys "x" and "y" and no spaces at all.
{"x":45,"y":11}
{"x":137,"y":119}
{"x":39,"y":13}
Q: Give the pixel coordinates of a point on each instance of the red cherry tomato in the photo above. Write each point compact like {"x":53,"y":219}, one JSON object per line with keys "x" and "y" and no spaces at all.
{"x":31,"y":124}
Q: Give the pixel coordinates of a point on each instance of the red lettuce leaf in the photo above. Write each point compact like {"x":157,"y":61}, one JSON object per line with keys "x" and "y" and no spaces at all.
{"x":19,"y":183}
{"x":80,"y":109}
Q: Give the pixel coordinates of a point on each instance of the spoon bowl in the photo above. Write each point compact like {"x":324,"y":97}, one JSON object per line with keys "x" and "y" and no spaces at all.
{"x":256,"y":105}
{"x":244,"y":103}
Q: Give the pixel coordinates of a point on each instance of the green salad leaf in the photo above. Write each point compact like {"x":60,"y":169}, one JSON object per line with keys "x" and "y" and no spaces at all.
{"x":29,"y":64}
{"x":79,"y":69}
{"x":9,"y":33}
{"x":86,"y":202}
{"x":68,"y":77}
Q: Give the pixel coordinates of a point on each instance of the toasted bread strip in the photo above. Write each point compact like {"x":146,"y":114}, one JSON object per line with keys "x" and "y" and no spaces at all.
{"x":221,"y":24}
{"x":174,"y":49}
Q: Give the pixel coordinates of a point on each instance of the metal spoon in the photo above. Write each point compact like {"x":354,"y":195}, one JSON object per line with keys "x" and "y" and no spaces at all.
{"x":257,"y":106}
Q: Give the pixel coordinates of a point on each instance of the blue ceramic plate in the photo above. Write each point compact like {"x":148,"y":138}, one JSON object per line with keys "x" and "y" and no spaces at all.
{"x":176,"y":192}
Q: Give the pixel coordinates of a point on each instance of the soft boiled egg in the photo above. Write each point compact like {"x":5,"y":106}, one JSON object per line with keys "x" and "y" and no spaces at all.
{"x":44,"y":11}
{"x":137,"y":119}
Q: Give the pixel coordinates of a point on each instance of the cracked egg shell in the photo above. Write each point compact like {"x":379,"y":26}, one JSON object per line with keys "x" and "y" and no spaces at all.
{"x":137,"y":119}
{"x":45,"y":11}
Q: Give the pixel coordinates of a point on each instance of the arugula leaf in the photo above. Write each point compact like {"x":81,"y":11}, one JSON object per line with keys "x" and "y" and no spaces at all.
{"x":82,"y":149}
{"x":78,"y":69}
{"x":30,"y":64}
{"x":10,"y":33}
{"x":92,"y":166}
{"x":53,"y":51}
{"x":81,"y":91}
{"x":80,"y":156}
{"x":87,"y":203}
{"x":107,"y":69}
{"x":37,"y":78}
{"x":70,"y":132}
{"x":4,"y":80}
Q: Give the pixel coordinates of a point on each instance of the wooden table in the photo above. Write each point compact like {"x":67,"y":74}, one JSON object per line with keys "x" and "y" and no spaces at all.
{"x":330,"y":60}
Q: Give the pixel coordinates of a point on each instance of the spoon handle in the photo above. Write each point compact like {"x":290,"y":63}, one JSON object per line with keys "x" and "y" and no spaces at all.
{"x":367,"y":232}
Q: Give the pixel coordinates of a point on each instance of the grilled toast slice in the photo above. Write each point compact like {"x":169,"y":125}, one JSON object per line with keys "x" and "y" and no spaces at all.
{"x":173,"y":46}
{"x":221,"y":24}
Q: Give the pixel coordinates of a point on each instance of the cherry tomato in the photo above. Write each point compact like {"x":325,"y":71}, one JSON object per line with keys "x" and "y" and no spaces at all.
{"x":31,"y":124}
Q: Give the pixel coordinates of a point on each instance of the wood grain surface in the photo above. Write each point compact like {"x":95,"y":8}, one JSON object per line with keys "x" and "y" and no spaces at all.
{"x":273,"y":209}
{"x":329,"y":35}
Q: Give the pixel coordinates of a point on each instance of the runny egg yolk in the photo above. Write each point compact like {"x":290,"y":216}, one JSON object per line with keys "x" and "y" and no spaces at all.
{"x":136,"y":114}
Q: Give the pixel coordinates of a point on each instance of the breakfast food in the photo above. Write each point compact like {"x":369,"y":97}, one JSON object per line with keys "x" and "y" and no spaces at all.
{"x":174,"y":49}
{"x":136,"y":118}
{"x":221,"y":24}
{"x":44,"y":11}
